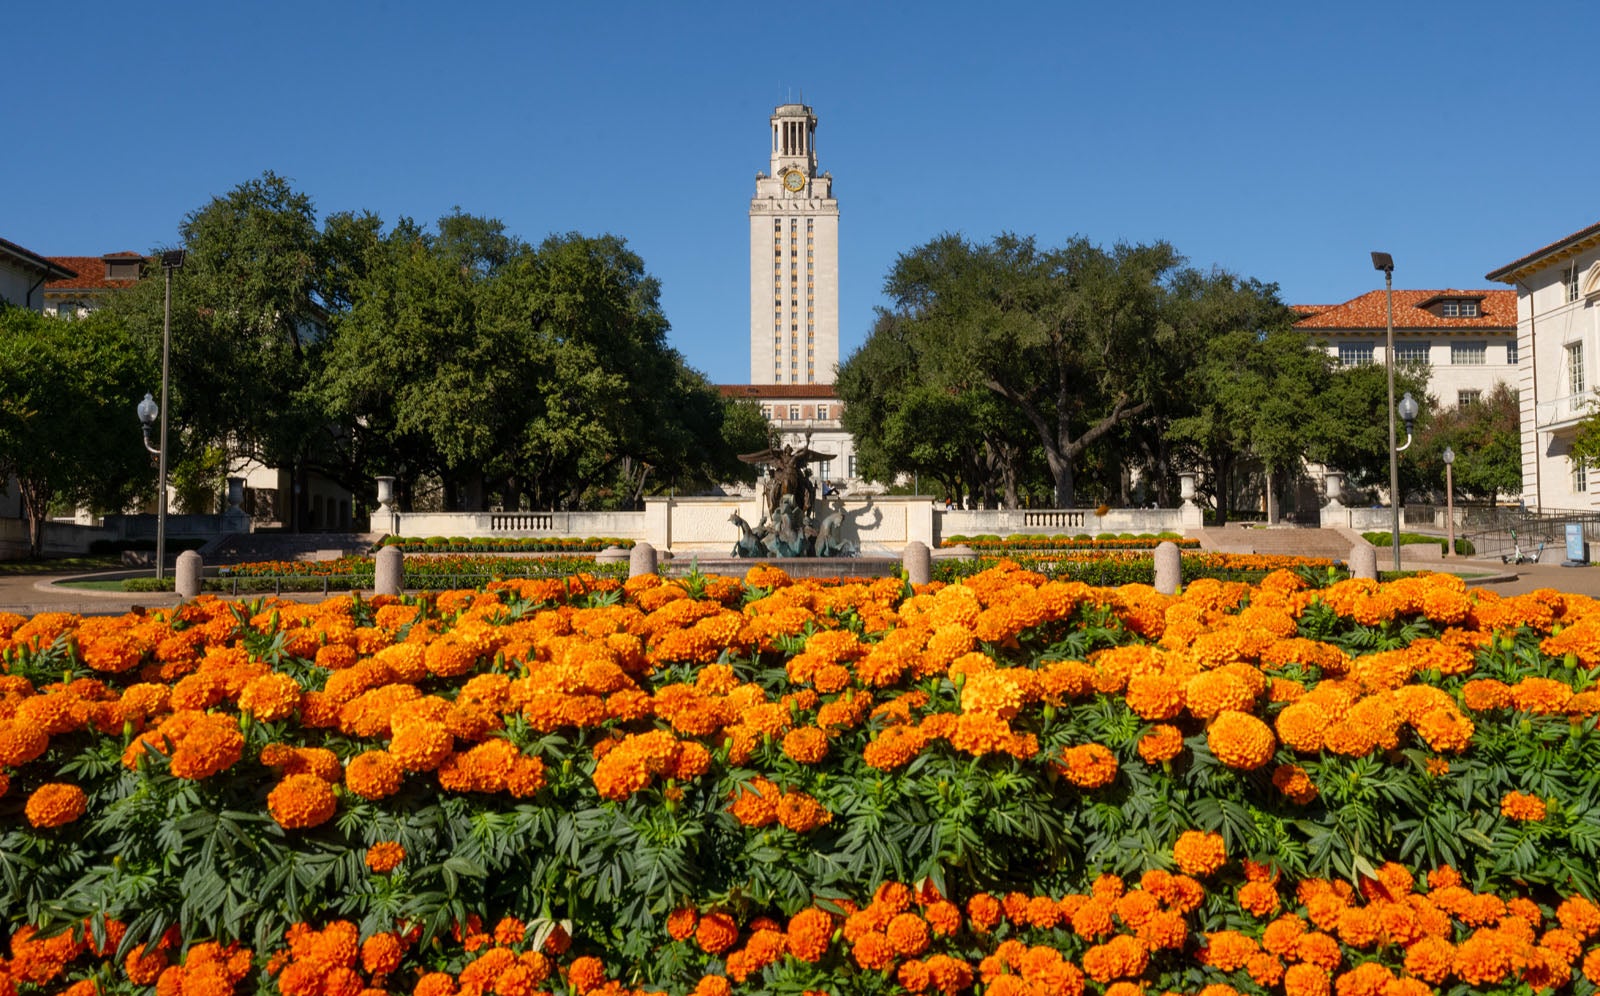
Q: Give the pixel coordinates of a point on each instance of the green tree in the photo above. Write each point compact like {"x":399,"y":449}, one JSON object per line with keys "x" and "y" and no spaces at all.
{"x":1352,"y":430}
{"x":1071,"y":338}
{"x":539,"y":373}
{"x":1240,"y":382}
{"x":1486,"y":437}
{"x":904,"y":421}
{"x":248,"y":325}
{"x":67,"y":431}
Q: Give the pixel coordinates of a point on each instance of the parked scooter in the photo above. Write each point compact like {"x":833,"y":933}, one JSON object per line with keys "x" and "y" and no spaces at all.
{"x":1520,"y":556}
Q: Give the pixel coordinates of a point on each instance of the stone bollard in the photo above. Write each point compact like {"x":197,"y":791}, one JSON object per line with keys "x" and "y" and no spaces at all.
{"x":1364,"y":561}
{"x":918,"y":562}
{"x":186,"y":579}
{"x":1169,"y":568}
{"x":389,"y":571}
{"x":612,"y":555}
{"x":642,"y":560}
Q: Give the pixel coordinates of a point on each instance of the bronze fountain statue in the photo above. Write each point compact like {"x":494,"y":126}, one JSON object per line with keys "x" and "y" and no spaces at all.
{"x":788,"y":506}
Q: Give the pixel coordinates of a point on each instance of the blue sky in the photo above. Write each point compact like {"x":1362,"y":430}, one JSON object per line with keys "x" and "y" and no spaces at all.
{"x":1278,"y":140}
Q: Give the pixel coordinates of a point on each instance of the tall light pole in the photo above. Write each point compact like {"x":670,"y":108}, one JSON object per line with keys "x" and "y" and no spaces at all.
{"x":1449,"y":502}
{"x":171,"y":260}
{"x":1385,"y":262}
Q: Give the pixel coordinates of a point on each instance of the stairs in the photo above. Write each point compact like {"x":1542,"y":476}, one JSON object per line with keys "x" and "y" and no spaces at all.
{"x":1288,"y":541}
{"x":245,"y":548}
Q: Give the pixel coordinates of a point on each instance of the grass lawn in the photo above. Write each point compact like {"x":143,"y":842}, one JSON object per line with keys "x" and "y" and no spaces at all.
{"x":58,"y":565}
{"x":90,"y":585}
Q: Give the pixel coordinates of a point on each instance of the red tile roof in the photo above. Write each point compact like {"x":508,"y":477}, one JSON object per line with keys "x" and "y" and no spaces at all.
{"x":1497,"y":310}
{"x":779,"y":392}
{"x":91,"y":272}
{"x":1556,"y":250}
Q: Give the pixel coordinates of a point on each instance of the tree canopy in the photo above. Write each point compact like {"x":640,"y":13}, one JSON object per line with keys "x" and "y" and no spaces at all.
{"x":68,"y":388}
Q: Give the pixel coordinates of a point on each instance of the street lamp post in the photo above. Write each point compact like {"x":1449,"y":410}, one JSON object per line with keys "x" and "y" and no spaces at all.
{"x":1449,"y":502}
{"x":171,"y":260}
{"x":1385,"y":262}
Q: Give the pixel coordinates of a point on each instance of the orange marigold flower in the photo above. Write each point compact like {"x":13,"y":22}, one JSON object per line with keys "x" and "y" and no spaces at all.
{"x":302,"y":801}
{"x":586,"y":973}
{"x":1089,"y":765}
{"x":271,"y":697}
{"x":810,"y":933}
{"x":712,"y":985}
{"x":873,"y":951}
{"x":385,"y":856}
{"x":1303,"y":726}
{"x":1154,"y":696}
{"x":808,"y":745}
{"x":801,"y":813}
{"x":1580,"y":916}
{"x":1240,"y":740}
{"x":1122,"y":957}
{"x":421,"y":746}
{"x":943,"y":916}
{"x":373,"y":774}
{"x":1228,"y":950}
{"x":1259,"y":899}
{"x":380,"y":953}
{"x":1521,"y":806}
{"x":1199,"y":853}
{"x":55,"y":804}
{"x":1163,"y":742}
{"x":1430,"y":958}
{"x":1306,"y":980}
{"x":1293,"y":782}
{"x":20,"y":743}
{"x":984,"y":911}
{"x":1264,"y":969}
{"x":716,"y":933}
{"x":681,"y":923}
{"x":908,"y":935}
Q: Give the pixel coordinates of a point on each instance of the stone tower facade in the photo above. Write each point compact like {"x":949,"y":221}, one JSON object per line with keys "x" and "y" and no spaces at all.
{"x":794,"y":259}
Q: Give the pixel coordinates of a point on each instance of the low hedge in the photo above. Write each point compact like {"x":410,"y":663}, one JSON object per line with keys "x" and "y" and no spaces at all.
{"x":1464,"y":546}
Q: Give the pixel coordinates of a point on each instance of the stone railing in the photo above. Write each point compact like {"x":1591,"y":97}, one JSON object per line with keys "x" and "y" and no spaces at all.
{"x":879,"y":525}
{"x":1069,"y":521}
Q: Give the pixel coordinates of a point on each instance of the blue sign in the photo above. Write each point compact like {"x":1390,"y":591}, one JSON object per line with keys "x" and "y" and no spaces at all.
{"x":1577,"y":549}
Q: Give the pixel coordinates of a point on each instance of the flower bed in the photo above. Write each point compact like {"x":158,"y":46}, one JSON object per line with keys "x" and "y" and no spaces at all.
{"x":490,"y":544}
{"x":1009,"y":785}
{"x":1110,"y":568}
{"x":1082,"y":541}
{"x":356,"y":573}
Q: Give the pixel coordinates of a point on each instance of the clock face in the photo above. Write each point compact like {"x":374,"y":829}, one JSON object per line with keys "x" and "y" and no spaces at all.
{"x":794,"y":180}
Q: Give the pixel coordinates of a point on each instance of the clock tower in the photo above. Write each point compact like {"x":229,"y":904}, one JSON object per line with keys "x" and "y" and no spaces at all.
{"x":794,"y":259}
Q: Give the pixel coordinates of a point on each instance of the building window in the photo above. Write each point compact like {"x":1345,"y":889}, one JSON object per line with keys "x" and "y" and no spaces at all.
{"x":766,"y":412}
{"x":1511,"y":351}
{"x":1355,"y":354}
{"x":1468,"y":354}
{"x":1569,"y":280}
{"x":822,"y":412}
{"x":824,"y":469}
{"x":1469,"y":309}
{"x":1580,"y":474}
{"x":1414,"y":353}
{"x":1575,"y":372}
{"x":850,"y":465}
{"x":794,"y":413}
{"x":1465,"y":398}
{"x":1451,"y":309}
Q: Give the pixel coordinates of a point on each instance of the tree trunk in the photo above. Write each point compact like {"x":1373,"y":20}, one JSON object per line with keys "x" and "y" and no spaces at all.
{"x":36,"y":506}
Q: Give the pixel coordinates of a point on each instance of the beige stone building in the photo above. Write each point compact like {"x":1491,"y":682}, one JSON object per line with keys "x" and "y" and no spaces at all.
{"x":794,"y":259}
{"x":811,"y":414}
{"x":1558,"y":327}
{"x":1466,"y":339}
